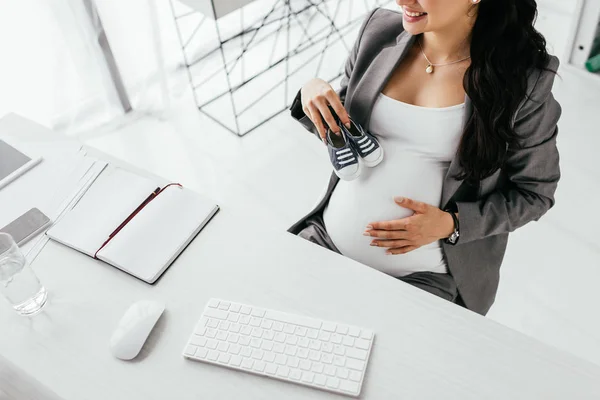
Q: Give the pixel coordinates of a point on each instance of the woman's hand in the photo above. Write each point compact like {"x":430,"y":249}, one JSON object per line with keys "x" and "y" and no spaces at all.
{"x":317,"y":95}
{"x":427,"y":225}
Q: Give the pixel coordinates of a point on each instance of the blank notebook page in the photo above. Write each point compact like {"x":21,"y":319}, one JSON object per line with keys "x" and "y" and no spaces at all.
{"x":150,"y":242}
{"x":109,"y":201}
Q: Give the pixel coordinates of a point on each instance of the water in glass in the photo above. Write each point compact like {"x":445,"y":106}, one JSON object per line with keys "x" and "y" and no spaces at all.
{"x":18,"y":282}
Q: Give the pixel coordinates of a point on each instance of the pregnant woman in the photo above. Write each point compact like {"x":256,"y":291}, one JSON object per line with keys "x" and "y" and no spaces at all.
{"x":458,"y":93}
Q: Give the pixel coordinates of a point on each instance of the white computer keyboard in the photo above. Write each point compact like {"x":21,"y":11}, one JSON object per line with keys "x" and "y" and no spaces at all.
{"x":307,"y":351}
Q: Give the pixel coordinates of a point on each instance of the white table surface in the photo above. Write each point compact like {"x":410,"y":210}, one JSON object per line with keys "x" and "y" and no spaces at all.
{"x":425,"y":348}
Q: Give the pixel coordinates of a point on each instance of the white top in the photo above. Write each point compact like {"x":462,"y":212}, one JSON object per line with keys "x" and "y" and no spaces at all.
{"x":419,"y":143}
{"x":418,"y":336}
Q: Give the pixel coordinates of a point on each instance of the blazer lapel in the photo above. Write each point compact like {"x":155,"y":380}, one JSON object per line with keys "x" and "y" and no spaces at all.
{"x":451,"y":185}
{"x":376,"y":76}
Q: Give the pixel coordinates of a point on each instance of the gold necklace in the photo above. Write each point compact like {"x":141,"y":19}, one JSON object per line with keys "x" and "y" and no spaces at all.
{"x":430,"y":65}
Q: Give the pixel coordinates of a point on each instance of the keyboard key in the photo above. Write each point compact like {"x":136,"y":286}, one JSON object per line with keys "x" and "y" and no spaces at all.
{"x":212,"y":344}
{"x":190,"y":350}
{"x":333,"y":383}
{"x":235,"y":360}
{"x":215,"y":313}
{"x":233,"y":338}
{"x":259,"y":366}
{"x":244,"y":320}
{"x":296,"y":374}
{"x":355,"y":376}
{"x":342,"y":329}
{"x":280,"y":337}
{"x":222,"y":335}
{"x":271,"y":369}
{"x":354,"y":331}
{"x":213,"y":355}
{"x":235,"y":328}
{"x":211,"y":333}
{"x":339,"y":361}
{"x":281,"y":359}
{"x":339,"y":350}
{"x":269,"y":335}
{"x":233,"y":317}
{"x":324,"y":336}
{"x":307,"y":376}
{"x":213,"y":323}
{"x":255,"y":321}
{"x":245,"y":330}
{"x":269,"y":357}
{"x":348,"y":386}
{"x":257,"y":332}
{"x":327,"y":347}
{"x":302,"y":352}
{"x":335,"y":338}
{"x":235,"y":308}
{"x":288,"y":328}
{"x":330,"y":370}
{"x":312,"y":333}
{"x":201,"y":353}
{"x":293,"y":362}
{"x":224,"y":358}
{"x":235,"y":349}
{"x":300,"y":331}
{"x":343,"y":373}
{"x":278,"y":348}
{"x":303,"y":342}
{"x":257,"y":354}
{"x":314,"y":355}
{"x":290,"y":350}
{"x":291,"y":339}
{"x":266,"y":324}
{"x":247,"y":363}
{"x":224,"y":305}
{"x":368,"y":335}
{"x":277,"y":326}
{"x":329,"y":326}
{"x":223,"y":347}
{"x":246,"y":310}
{"x":213,"y":303}
{"x":246,"y":352}
{"x":355,"y":364}
{"x":267,"y":345}
{"x":362,"y":344}
{"x":199,"y":341}
{"x":348,"y":341}
{"x":283,"y":371}
{"x":357,"y":353}
{"x":315,"y":345}
{"x":327,"y":358}
{"x":305,"y":365}
{"x":317,"y":367}
{"x":293,"y":319}
{"x":320,"y":380}
{"x":258,"y":312}
{"x":244,"y":340}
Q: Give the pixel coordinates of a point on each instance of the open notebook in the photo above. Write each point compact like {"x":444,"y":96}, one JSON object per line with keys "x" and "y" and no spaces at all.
{"x":105,"y":224}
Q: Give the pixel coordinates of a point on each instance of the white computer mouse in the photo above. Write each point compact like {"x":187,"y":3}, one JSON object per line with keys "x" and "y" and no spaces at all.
{"x":134,"y":328}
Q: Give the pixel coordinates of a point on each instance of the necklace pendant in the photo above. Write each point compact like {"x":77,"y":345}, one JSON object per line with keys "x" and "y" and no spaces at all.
{"x":429,"y":69}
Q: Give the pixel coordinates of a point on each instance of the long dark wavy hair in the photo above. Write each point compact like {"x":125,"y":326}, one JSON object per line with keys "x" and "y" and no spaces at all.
{"x":505,"y":48}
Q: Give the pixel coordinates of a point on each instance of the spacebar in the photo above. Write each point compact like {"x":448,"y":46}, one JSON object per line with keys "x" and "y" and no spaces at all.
{"x":293,"y":319}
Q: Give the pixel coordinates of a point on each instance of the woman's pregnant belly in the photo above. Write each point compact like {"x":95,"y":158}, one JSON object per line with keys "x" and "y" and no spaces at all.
{"x":370,"y":198}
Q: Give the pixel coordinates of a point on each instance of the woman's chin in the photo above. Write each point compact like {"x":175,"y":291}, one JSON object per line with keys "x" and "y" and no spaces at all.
{"x":412,"y":28}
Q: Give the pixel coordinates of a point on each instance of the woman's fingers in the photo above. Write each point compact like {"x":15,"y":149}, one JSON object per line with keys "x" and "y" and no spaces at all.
{"x":335,"y":103}
{"x":395,"y":235}
{"x":315,"y":117}
{"x":324,"y":109}
{"x":391,"y":244}
{"x":395,"y":225}
{"x":402,"y":250}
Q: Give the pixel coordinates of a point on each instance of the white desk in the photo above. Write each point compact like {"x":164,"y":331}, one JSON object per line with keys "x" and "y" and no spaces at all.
{"x":425,"y":348}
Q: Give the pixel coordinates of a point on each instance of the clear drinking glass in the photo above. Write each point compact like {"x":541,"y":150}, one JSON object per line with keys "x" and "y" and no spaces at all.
{"x":18,"y":282}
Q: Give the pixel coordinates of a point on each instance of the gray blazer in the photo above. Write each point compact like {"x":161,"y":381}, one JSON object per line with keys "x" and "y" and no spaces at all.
{"x":520,"y":192}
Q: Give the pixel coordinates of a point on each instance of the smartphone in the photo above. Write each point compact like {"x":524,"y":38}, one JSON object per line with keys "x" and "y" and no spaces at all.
{"x":27,"y":226}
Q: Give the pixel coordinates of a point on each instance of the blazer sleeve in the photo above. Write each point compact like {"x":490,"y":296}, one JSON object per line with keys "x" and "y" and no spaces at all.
{"x":296,"y":108}
{"x":532,"y":169}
